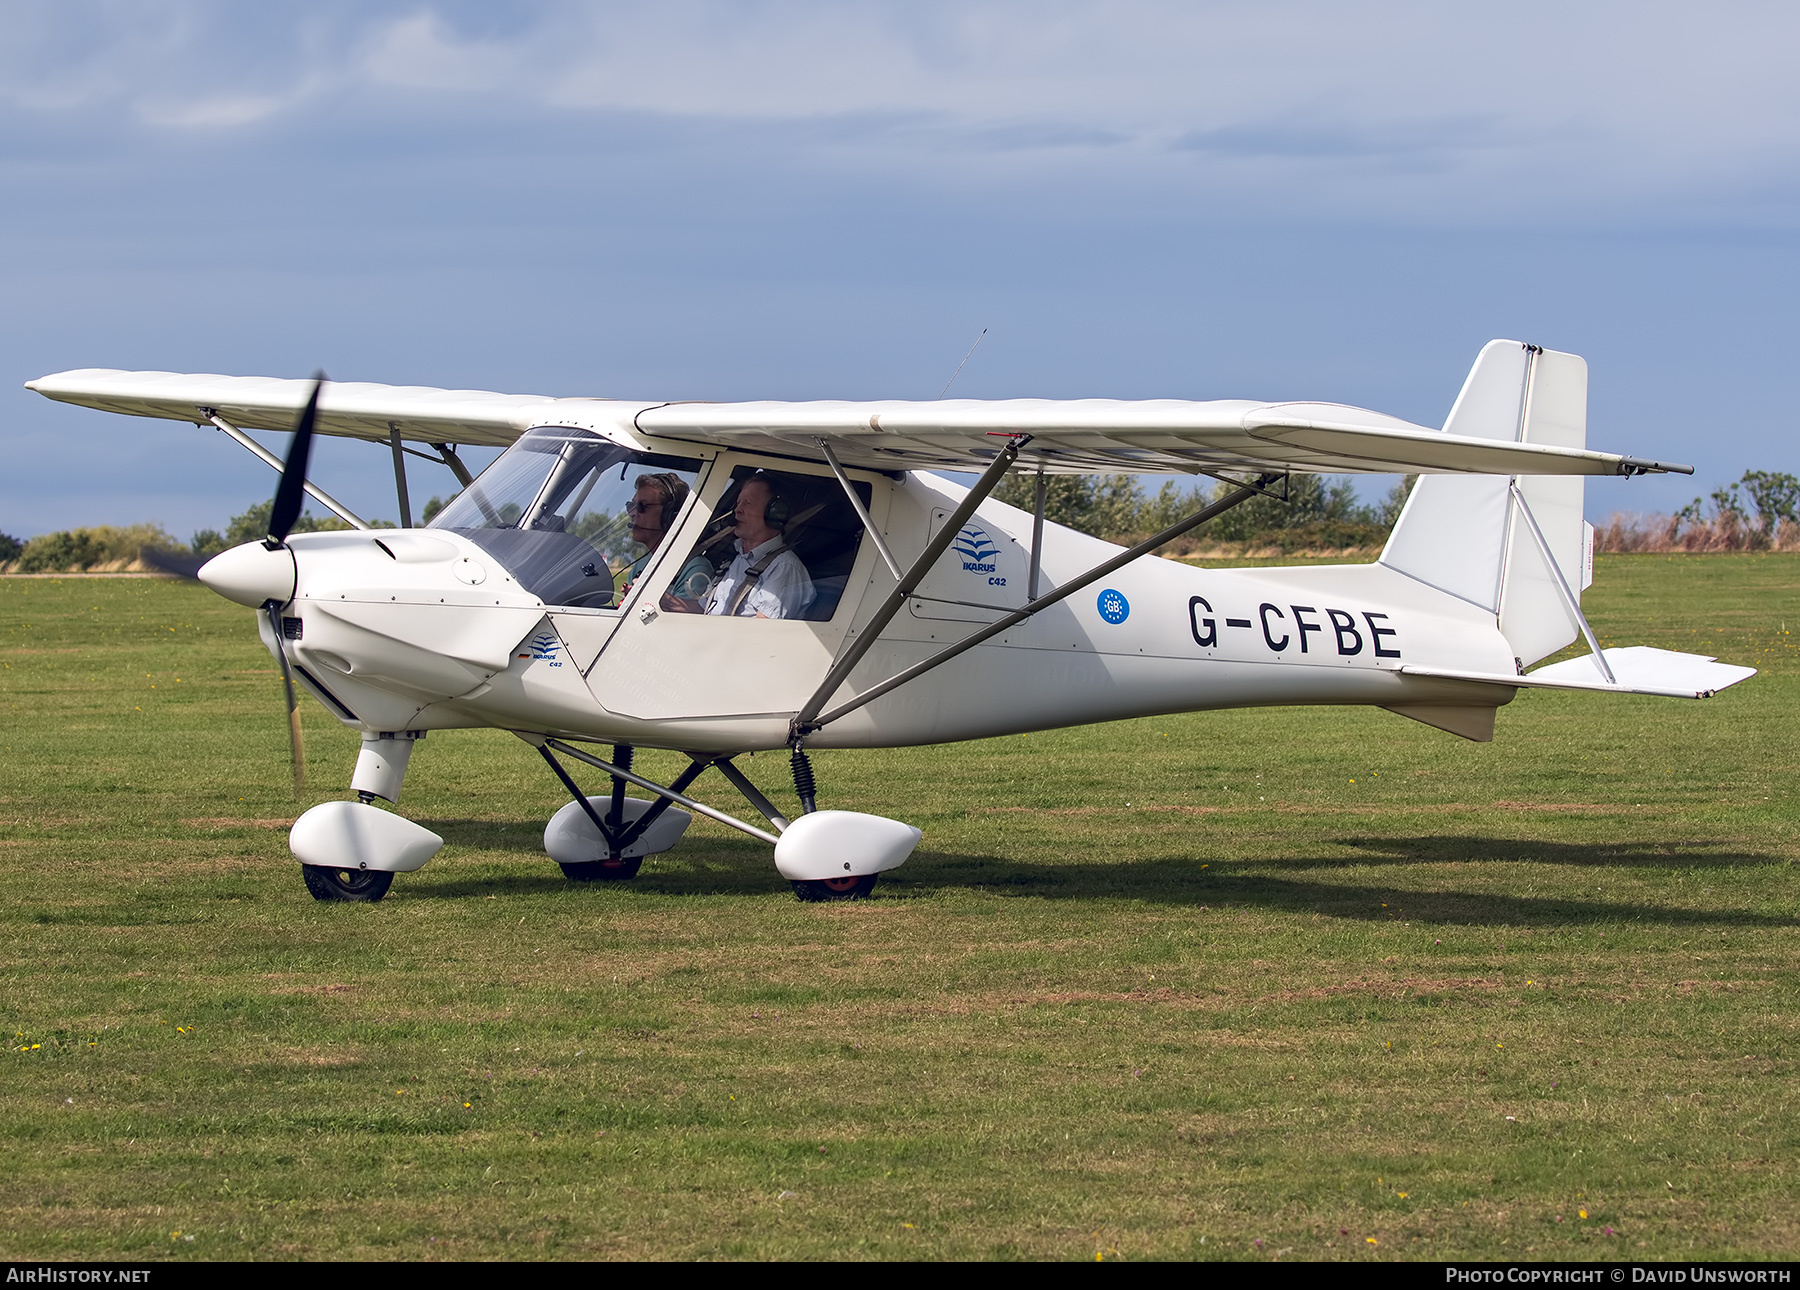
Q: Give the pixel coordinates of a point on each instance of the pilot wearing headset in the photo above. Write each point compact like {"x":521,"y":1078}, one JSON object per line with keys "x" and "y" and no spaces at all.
{"x":653,"y":509}
{"x":765,"y":579}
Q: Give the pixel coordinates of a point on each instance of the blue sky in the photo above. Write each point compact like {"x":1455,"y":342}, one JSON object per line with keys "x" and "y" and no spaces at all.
{"x":768,"y":200}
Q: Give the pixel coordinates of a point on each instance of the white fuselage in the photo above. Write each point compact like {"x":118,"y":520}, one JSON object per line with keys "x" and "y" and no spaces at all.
{"x":422,"y":629}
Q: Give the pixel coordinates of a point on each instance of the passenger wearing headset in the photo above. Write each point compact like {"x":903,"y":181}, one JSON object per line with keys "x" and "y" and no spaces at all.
{"x":765,"y":579}
{"x":653,"y":509}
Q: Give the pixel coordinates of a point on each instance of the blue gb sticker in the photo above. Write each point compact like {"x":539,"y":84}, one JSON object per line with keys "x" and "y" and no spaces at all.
{"x":1114,"y":608}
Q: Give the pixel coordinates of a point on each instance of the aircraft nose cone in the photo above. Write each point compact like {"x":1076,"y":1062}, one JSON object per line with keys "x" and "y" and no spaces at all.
{"x":251,"y":574}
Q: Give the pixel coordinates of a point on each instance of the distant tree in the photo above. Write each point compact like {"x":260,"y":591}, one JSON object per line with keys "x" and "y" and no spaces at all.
{"x":1309,"y":500}
{"x":1114,"y":506}
{"x":57,"y":552}
{"x":1103,"y":505}
{"x":1774,"y":496}
{"x":1175,"y":500}
{"x":207,"y":542}
{"x":85,"y":548}
{"x":1388,"y":513}
{"x":10,"y":547}
{"x":435,"y":505}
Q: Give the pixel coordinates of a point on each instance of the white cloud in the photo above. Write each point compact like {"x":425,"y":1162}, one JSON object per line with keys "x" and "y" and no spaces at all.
{"x":1408,"y":108}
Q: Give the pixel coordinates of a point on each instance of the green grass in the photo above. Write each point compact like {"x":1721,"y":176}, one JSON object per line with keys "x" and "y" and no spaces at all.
{"x":1330,"y":981}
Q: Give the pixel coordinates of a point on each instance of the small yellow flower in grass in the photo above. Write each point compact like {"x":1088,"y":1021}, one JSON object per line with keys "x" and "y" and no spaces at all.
{"x":1582,"y":1212}
{"x":1402,"y":1195}
{"x":907,"y":1226}
{"x":1371,"y":1240}
{"x":466,"y":1105}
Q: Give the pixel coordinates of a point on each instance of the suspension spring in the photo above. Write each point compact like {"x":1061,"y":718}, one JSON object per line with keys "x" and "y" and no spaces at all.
{"x":804,"y":787}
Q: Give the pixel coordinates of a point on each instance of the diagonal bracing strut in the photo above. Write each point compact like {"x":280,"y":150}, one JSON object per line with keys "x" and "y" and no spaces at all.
{"x":543,"y":743}
{"x":811,"y":719}
{"x":1571,"y":601}
{"x":804,"y":721}
{"x":319,"y":495}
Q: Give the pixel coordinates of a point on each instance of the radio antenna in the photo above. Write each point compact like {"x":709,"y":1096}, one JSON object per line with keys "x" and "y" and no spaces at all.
{"x":961,"y":365}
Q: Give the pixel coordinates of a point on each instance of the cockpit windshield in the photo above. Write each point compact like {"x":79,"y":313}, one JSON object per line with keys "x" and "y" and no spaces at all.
{"x":574,"y":518}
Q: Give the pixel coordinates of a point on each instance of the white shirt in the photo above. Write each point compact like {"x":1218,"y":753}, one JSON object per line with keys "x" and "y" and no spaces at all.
{"x":784,"y":589}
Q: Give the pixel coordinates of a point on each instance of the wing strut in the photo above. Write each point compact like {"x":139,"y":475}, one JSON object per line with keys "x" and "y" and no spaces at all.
{"x":1037,"y":533}
{"x":319,"y":495}
{"x":448,"y":453}
{"x":862,"y":512}
{"x":803,"y":723}
{"x":400,"y":474}
{"x":812,"y":720}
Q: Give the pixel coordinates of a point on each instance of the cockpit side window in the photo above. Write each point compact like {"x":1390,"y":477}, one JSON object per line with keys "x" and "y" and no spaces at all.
{"x":779,"y":545}
{"x":573,"y":517}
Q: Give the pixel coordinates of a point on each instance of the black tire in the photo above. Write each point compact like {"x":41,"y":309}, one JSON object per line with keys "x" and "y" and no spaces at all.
{"x":836,"y":888}
{"x":603,"y":870}
{"x":366,"y":885}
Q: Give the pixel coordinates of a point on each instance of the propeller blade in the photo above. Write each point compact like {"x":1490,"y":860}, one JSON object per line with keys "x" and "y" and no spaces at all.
{"x":290,"y":493}
{"x":178,"y":563}
{"x":296,"y":745}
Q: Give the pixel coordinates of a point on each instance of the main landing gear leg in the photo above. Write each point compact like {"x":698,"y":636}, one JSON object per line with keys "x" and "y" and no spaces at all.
{"x":827,"y":855}
{"x":822,"y":889}
{"x":615,"y":867}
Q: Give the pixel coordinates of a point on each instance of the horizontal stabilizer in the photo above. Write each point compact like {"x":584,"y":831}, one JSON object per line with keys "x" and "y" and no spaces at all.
{"x":1636,"y":669}
{"x":1647,"y":670}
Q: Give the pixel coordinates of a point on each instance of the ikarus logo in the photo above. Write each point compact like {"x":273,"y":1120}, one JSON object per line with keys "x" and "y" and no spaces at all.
{"x":544,"y":646}
{"x":976,"y":548}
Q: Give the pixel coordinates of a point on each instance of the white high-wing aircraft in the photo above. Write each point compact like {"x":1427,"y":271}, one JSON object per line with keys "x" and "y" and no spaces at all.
{"x":719,"y":578}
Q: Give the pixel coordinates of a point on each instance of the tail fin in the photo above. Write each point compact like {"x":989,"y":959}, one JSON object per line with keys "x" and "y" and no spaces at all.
{"x":1466,"y":534}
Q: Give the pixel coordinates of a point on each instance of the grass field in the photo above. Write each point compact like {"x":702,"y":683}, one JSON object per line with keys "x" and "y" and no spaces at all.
{"x":1312,"y":983}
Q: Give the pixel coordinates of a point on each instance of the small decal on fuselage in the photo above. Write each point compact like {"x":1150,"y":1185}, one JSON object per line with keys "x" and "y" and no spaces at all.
{"x":545,"y":647}
{"x":1113,"y":606}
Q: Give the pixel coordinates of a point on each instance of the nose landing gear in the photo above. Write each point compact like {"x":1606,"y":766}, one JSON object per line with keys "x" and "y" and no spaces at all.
{"x":352,"y":850}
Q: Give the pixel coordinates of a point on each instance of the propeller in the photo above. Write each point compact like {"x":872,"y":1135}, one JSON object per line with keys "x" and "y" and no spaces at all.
{"x":290,"y":496}
{"x":296,"y":744}
{"x":177,"y":564}
{"x":290,"y":493}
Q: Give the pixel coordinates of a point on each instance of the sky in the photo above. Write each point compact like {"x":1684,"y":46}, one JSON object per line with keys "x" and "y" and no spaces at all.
{"x":1279,"y":199}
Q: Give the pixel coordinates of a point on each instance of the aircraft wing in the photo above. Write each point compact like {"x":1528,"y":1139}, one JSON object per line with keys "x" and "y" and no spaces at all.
{"x":1121,"y":436}
{"x":351,"y":408}
{"x":1155,"y":436}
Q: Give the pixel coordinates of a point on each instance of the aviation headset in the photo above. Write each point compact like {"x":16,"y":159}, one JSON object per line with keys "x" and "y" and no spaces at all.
{"x":673,"y":490}
{"x":777,"y":512}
